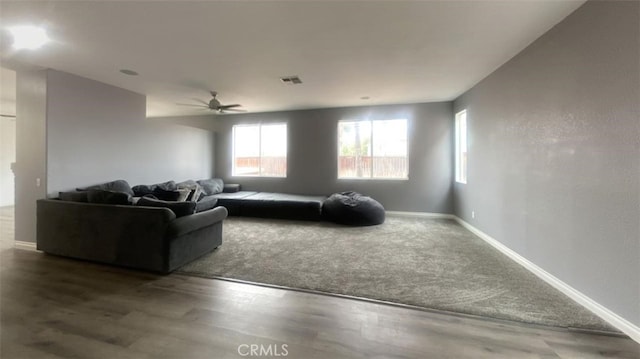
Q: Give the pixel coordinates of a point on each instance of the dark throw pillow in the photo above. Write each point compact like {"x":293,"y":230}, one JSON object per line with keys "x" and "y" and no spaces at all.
{"x":74,"y":196}
{"x":116,"y":186}
{"x":166,"y":195}
{"x":181,"y":209}
{"x":108,"y":197}
{"x":211,"y":186}
{"x":143,"y":189}
{"x":167,"y":186}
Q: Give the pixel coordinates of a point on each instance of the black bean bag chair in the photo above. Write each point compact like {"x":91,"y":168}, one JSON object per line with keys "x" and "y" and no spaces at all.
{"x":352,"y":208}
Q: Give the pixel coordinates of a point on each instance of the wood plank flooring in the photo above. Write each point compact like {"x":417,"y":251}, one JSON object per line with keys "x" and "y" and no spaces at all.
{"x":52,"y":307}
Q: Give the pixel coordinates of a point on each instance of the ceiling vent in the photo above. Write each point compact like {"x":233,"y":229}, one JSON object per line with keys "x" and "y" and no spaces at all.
{"x":291,"y":80}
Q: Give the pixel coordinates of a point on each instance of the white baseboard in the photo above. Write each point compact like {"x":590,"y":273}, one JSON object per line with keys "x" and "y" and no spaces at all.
{"x":27,"y":246}
{"x":420,"y":214}
{"x":612,"y":318}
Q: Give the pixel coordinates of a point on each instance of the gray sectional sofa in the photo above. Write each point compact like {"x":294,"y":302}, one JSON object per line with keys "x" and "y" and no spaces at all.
{"x":108,"y":223}
{"x":214,"y":192}
{"x":163,"y":226}
{"x":141,"y":237}
{"x":158,"y":227}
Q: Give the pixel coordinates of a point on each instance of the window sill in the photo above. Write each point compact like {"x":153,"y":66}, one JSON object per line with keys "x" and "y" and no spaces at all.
{"x":372,"y":179}
{"x":254,"y":176}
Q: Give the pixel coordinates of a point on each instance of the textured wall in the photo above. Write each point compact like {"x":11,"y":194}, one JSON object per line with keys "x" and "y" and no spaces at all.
{"x":97,"y":132}
{"x":31,"y":152}
{"x":312,"y":155}
{"x":554,"y":160}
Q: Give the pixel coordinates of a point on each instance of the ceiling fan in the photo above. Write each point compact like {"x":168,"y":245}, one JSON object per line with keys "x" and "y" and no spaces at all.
{"x":215,"y":105}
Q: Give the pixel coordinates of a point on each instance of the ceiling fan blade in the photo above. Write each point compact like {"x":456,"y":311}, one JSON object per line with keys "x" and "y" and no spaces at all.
{"x":190,"y":104}
{"x":201,"y":101}
{"x":232,"y":109}
{"x":224,"y":107}
{"x":10,"y":116}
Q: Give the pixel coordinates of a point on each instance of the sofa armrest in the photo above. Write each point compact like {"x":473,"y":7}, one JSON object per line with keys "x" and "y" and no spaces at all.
{"x":186,"y":224}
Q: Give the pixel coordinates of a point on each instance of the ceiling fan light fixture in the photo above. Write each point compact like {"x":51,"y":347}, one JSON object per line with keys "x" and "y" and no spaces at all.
{"x":215,"y":105}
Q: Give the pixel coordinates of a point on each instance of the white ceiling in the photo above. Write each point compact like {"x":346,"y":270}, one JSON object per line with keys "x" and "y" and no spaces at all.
{"x":391,"y":51}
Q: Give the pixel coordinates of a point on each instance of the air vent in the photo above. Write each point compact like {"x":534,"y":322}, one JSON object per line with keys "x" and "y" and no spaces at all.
{"x":291,"y":80}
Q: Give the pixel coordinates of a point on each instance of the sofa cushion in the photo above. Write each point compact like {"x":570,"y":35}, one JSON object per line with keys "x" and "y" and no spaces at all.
{"x":211,"y":186}
{"x":108,"y":197}
{"x":74,"y":196}
{"x":167,"y":186}
{"x":116,"y":186}
{"x":231,"y":188}
{"x":206,"y":203}
{"x":143,"y":189}
{"x":280,"y":205}
{"x":187,"y":183}
{"x":180,"y":209}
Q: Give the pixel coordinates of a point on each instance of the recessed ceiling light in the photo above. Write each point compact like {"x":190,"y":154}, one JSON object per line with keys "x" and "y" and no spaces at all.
{"x":28,"y":37}
{"x":129,"y":72}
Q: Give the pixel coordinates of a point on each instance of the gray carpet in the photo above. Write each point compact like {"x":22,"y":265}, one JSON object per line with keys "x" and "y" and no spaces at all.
{"x":430,"y":263}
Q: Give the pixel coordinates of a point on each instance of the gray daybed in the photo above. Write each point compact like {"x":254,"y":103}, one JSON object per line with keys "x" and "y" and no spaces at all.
{"x":271,"y":205}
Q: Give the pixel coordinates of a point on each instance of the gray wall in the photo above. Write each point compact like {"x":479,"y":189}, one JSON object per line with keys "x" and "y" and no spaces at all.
{"x":73,"y":132}
{"x":554,"y":154}
{"x":97,"y":132}
{"x":312,"y":155}
{"x":31,"y":151}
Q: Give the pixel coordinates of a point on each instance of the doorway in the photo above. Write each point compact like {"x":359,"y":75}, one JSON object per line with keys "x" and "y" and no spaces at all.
{"x":7,"y":156}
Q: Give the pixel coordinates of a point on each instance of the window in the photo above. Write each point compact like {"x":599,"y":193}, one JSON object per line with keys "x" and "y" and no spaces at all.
{"x":461,"y":146}
{"x":260,"y":150}
{"x":372,"y":149}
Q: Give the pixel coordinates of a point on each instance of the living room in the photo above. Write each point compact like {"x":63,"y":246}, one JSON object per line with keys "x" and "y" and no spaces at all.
{"x":552,"y":170}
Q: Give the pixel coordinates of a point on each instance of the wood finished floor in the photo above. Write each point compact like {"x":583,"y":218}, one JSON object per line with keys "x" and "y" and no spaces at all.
{"x":52,"y":307}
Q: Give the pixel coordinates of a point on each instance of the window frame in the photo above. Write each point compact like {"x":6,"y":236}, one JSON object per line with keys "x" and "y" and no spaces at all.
{"x":259,"y":125}
{"x":370,"y":177}
{"x":461,"y":174}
